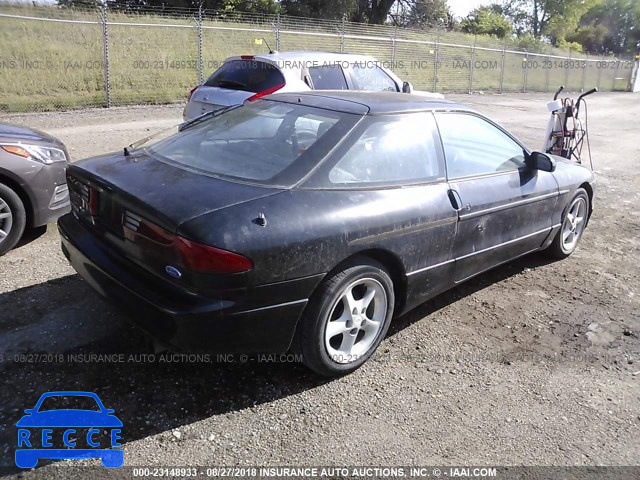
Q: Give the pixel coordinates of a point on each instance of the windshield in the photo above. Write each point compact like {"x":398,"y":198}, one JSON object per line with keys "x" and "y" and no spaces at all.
{"x":69,"y":402}
{"x":266,"y":142}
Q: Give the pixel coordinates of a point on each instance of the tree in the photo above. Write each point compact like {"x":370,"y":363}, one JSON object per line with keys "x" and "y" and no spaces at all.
{"x":547,"y":18}
{"x":318,"y":8}
{"x":251,"y":6}
{"x":486,"y":21}
{"x":372,"y":11}
{"x":423,"y":14}
{"x":612,"y":26}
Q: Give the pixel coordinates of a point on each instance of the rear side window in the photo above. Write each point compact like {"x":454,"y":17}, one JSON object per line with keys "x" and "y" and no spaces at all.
{"x":392,"y":149}
{"x":246,"y":75}
{"x":328,"y":77}
{"x":367,"y":76}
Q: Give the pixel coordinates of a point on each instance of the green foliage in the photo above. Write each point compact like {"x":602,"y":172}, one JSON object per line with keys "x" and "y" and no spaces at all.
{"x":318,"y":8}
{"x":425,"y":14}
{"x":611,"y":26}
{"x":528,"y":42}
{"x":565,"y":45}
{"x":487,"y":21}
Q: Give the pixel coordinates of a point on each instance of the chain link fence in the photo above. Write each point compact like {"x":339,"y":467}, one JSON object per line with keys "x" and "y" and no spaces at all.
{"x":55,"y":58}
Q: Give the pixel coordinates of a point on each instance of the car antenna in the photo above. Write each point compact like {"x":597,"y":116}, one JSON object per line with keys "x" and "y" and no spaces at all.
{"x":267,"y":43}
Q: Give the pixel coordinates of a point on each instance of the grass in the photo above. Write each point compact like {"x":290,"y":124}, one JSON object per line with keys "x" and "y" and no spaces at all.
{"x":54,"y":65}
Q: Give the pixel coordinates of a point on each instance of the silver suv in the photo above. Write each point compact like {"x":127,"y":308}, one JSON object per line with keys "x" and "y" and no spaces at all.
{"x":248,"y":77}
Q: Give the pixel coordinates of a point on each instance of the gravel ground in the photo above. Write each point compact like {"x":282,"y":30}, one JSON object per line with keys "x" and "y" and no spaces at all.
{"x":533,"y":363}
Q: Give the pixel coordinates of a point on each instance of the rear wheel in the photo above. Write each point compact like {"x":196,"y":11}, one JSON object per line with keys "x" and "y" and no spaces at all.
{"x":574,"y":220}
{"x":347,"y":318}
{"x":12,"y":218}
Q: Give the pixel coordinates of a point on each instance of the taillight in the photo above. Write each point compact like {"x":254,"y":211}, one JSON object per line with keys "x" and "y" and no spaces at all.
{"x":203,"y":258}
{"x":247,"y":57}
{"x":268,"y":91}
{"x":193,"y":255}
{"x":192,"y":92}
{"x":93,"y":202}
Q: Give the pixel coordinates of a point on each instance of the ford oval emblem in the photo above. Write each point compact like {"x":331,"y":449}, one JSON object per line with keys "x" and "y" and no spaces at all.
{"x":173,"y":271}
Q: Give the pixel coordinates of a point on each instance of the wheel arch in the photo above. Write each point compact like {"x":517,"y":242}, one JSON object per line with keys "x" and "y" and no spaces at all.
{"x":589,"y":189}
{"x":392,"y":264}
{"x":22,"y":193}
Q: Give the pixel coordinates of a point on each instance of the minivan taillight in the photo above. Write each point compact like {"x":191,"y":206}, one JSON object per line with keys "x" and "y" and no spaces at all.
{"x":193,"y":90}
{"x":268,"y":91}
{"x":193,"y":255}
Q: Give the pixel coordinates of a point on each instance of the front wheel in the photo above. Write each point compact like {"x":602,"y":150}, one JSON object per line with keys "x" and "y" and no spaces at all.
{"x":13,"y":219}
{"x":574,"y":221}
{"x":347,"y":318}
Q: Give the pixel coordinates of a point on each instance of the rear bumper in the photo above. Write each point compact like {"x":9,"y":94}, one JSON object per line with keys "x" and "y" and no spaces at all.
{"x":185,"y":320}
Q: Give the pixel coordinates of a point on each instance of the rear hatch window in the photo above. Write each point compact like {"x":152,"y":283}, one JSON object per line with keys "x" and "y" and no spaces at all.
{"x":265,"y":143}
{"x":246,"y":75}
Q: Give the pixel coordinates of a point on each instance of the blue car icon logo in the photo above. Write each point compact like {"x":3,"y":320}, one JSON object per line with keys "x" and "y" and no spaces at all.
{"x":41,"y":427}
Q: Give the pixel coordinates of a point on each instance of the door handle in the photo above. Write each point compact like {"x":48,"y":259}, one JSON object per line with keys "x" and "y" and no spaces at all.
{"x":454,"y":198}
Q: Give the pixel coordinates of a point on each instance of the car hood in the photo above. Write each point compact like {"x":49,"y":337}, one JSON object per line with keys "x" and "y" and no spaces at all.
{"x":164,"y":193}
{"x":17,"y":134}
{"x":69,"y":418}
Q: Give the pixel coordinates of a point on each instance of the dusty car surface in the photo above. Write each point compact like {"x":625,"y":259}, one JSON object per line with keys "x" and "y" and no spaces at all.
{"x":307,"y":221}
{"x":33,"y":189}
{"x":249,"y":77}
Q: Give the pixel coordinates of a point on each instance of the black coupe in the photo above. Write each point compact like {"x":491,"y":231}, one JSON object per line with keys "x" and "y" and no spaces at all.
{"x":305,"y":222}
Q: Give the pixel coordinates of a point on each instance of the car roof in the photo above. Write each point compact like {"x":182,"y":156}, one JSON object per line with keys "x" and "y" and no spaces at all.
{"x":365,"y":102}
{"x":306,"y":55}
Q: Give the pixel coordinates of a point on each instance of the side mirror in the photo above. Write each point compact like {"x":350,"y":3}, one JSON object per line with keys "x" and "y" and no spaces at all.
{"x":407,"y":87}
{"x":29,"y":411}
{"x":109,"y":411}
{"x":540,"y":161}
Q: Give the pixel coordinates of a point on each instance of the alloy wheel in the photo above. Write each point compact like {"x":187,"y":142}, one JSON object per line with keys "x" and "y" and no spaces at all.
{"x":355,"y":320}
{"x":6,"y":220}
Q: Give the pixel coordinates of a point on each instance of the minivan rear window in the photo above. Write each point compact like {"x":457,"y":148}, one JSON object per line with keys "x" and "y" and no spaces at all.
{"x":246,"y":75}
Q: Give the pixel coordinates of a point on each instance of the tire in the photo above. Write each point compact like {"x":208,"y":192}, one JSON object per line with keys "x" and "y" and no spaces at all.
{"x":13,"y":219}
{"x":570,"y":233}
{"x":353,"y":337}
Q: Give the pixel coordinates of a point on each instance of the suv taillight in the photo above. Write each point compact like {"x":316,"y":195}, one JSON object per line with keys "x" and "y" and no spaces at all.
{"x":192,"y":92}
{"x":268,"y":91}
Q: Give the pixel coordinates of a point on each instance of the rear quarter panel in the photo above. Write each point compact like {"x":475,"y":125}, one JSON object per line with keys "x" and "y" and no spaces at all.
{"x":570,"y":176}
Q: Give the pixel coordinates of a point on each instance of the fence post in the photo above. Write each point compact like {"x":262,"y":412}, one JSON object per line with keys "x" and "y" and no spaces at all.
{"x":473,"y":57}
{"x":393,"y":45}
{"x":584,"y":73}
{"x":105,"y":49}
{"x":277,"y":32}
{"x":436,"y":60}
{"x":548,"y":72}
{"x":504,"y":54}
{"x":599,"y":67}
{"x":199,"y":27}
{"x":526,"y":70}
{"x":566,"y":70}
{"x":343,"y":28}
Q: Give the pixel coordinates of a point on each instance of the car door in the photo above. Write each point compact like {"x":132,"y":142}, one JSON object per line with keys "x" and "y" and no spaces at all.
{"x":504,"y":207}
{"x":386,"y":185}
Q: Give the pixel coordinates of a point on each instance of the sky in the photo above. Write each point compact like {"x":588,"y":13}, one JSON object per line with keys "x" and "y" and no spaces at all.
{"x":461,"y":8}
